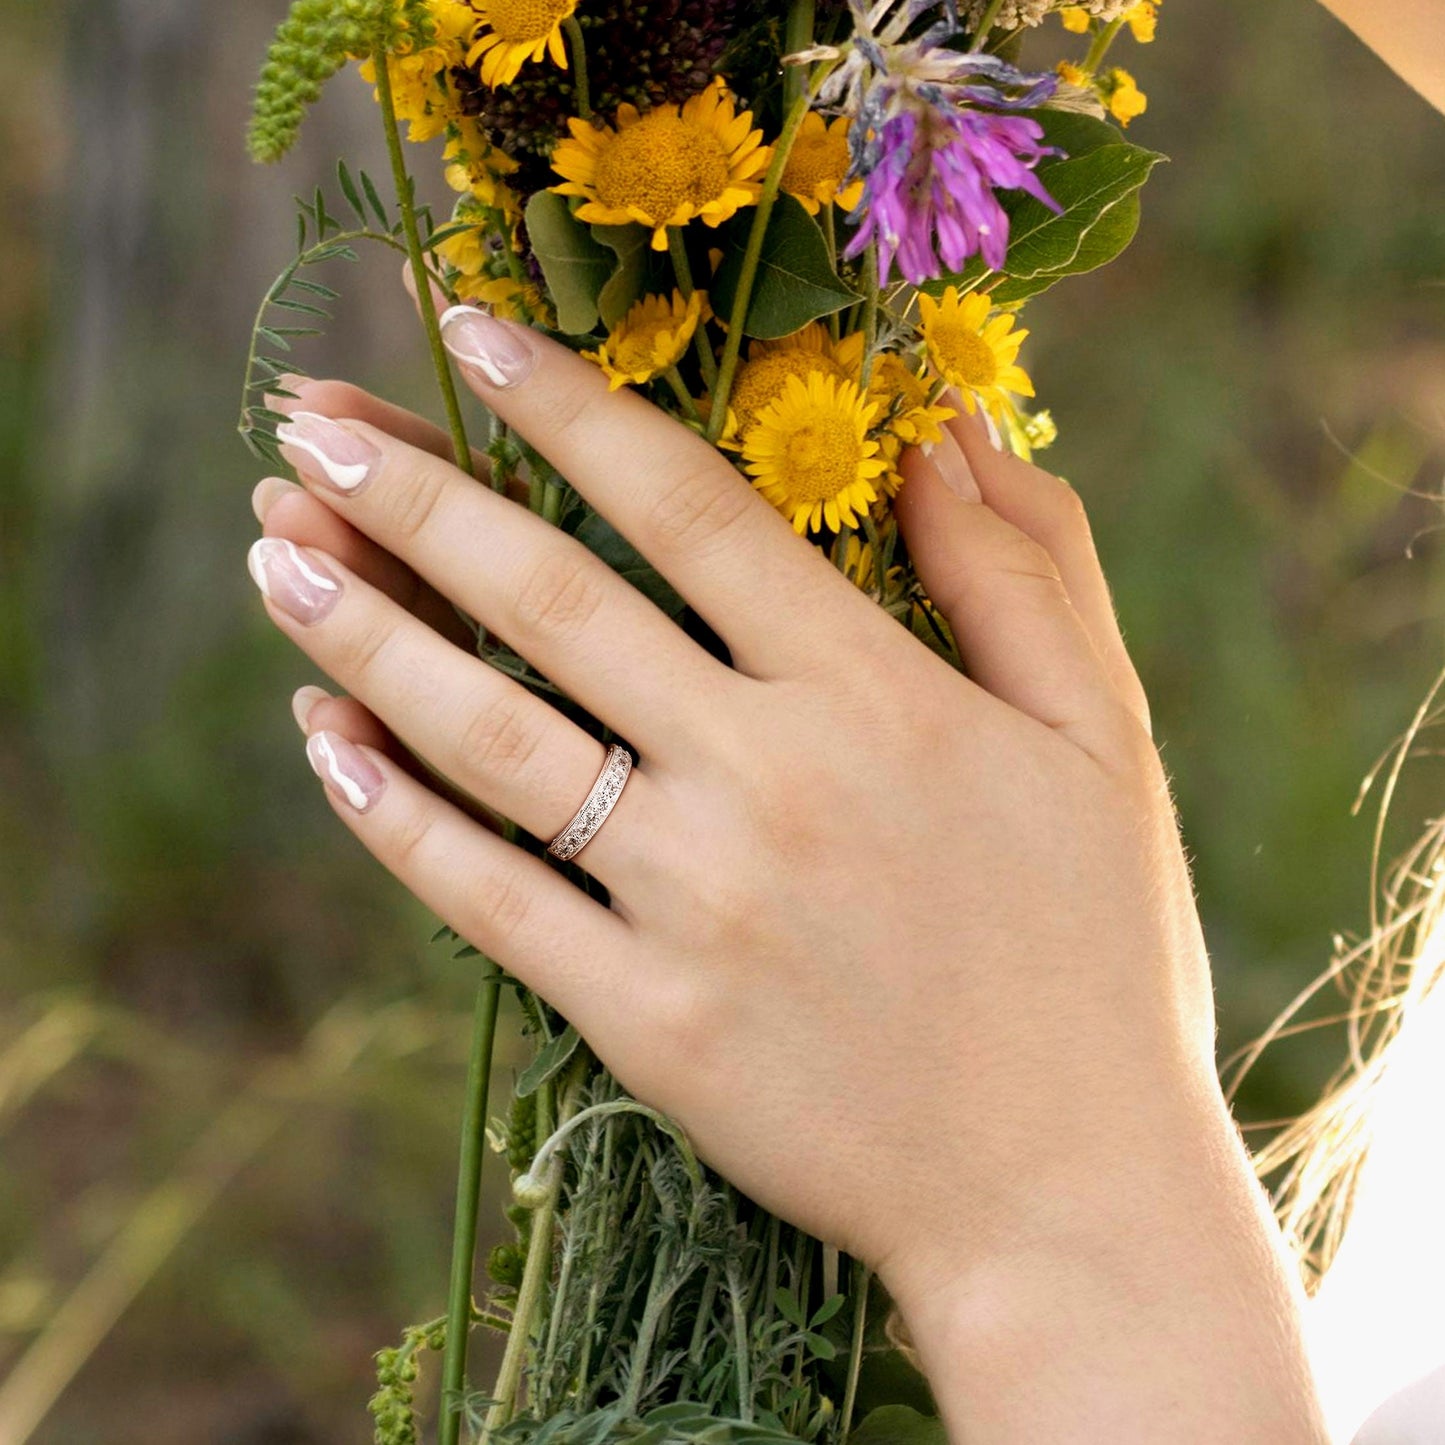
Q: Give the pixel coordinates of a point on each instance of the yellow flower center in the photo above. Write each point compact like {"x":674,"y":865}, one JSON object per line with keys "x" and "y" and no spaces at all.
{"x":821,"y":457}
{"x":817,"y":158}
{"x":526,"y":20}
{"x":660,"y":163}
{"x":762,"y":380}
{"x":962,"y":353}
{"x":635,"y":352}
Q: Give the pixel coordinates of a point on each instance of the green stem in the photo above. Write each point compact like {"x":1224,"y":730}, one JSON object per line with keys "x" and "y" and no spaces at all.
{"x":870,"y":308}
{"x":578,"y":46}
{"x":552,"y":497}
{"x":529,"y":1295}
{"x":748,"y":272}
{"x":797,"y":36}
{"x":985,"y":24}
{"x":861,"y":1279}
{"x":405,"y":199}
{"x":677,"y":246}
{"x":469,"y":1188}
{"x":1102,"y":41}
{"x":683,"y":395}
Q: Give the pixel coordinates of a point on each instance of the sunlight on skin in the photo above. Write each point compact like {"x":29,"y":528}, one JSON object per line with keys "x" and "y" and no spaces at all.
{"x":1408,"y":35}
{"x":1377,"y":1324}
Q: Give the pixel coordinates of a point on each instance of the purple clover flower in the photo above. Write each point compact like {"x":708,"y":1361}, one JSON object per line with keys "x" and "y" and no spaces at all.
{"x":935,"y":136}
{"x":930,"y":198}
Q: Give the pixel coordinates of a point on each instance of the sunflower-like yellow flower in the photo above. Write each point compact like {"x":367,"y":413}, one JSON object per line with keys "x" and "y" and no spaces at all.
{"x":818,"y":164}
{"x":653,"y":336}
{"x":763,"y":376}
{"x":509,"y":33}
{"x":971,"y":351}
{"x":811,"y":456}
{"x":1123,"y":97}
{"x":701,"y":159}
{"x":420,"y":90}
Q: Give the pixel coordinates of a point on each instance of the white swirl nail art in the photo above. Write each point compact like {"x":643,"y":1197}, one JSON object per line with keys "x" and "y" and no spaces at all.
{"x":346,"y":476}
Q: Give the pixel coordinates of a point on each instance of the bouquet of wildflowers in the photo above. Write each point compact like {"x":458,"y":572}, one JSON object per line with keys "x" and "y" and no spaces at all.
{"x":805,"y":229}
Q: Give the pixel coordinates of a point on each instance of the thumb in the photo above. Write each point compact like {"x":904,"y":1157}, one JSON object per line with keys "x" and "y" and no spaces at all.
{"x":1001,"y":594}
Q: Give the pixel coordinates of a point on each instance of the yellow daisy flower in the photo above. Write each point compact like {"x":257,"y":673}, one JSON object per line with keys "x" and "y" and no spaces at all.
{"x":477,"y":167}
{"x":818,"y":165}
{"x":811,"y":456}
{"x":512,"y":32}
{"x":661,"y":169}
{"x":761,"y":379}
{"x":653,"y":336}
{"x":972,"y":352}
{"x":907,"y":417}
{"x":1124,"y":99}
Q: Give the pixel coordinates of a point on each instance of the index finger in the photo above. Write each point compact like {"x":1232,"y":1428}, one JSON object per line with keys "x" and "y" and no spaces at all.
{"x":774,"y":600}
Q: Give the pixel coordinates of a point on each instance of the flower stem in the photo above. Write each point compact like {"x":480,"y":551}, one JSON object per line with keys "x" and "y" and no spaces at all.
{"x":985,"y":24}
{"x":577,"y":44}
{"x":677,"y":247}
{"x":406,"y":200}
{"x":1102,"y":41}
{"x":469,"y":1187}
{"x":684,"y":397}
{"x":861,"y":1278}
{"x":748,"y":272}
{"x":797,"y":36}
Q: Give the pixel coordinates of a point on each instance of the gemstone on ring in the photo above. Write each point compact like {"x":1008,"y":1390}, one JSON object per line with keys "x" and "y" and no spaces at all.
{"x":598,"y":804}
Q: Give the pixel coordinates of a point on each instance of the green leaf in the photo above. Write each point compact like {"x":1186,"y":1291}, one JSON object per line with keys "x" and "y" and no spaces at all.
{"x":789,"y":1308}
{"x":576,"y":266}
{"x":348,"y":189}
{"x":898,"y":1425}
{"x":1107,"y":238}
{"x":601,"y":538}
{"x":795,"y":283}
{"x":629,"y":244}
{"x":550,"y":1060}
{"x":1041,"y":241}
{"x":827,"y":1310}
{"x":1074,"y":133}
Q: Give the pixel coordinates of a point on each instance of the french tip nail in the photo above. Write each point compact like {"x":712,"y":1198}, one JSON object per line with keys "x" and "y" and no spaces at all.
{"x":453,"y":312}
{"x":339,"y":762}
{"x":304,"y":699}
{"x":255,"y":566}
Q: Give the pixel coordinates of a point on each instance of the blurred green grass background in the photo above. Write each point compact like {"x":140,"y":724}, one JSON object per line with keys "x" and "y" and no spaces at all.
{"x":210,"y":997}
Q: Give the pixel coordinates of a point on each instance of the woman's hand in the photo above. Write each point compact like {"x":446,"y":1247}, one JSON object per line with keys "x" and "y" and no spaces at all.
{"x":912,"y":956}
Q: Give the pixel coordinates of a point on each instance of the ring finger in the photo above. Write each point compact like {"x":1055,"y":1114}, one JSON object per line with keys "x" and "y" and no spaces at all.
{"x":484,"y":732}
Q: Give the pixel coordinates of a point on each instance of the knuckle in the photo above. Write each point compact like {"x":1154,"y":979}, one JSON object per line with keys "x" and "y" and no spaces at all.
{"x":696,"y":509}
{"x":366,"y":649}
{"x":494,"y":738}
{"x":416,"y":500}
{"x":409,"y":841}
{"x":558,"y":592}
{"x":505,"y":902}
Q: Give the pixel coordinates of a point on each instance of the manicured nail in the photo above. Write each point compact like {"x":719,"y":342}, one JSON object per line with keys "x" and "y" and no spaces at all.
{"x":345,"y":459}
{"x":498,"y":349}
{"x":266,"y":494}
{"x":303,"y":701}
{"x":295,"y":581}
{"x":953,"y":467}
{"x":346,"y":768}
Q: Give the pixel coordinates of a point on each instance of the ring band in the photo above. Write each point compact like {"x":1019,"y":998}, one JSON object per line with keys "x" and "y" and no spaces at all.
{"x":594,"y":811}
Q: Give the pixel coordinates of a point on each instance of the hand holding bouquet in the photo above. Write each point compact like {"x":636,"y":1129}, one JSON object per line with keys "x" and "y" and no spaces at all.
{"x":805,"y":233}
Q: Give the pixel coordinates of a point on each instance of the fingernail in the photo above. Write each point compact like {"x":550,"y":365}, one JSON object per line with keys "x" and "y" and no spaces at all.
{"x":292,"y":382}
{"x":346,"y":768}
{"x":297,"y":582}
{"x":303,"y":701}
{"x":345,"y":459}
{"x":953,"y":467}
{"x":266,"y":494}
{"x":498,"y":349}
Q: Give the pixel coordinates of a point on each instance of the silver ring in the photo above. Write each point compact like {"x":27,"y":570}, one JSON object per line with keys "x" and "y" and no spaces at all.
{"x":594,"y":811}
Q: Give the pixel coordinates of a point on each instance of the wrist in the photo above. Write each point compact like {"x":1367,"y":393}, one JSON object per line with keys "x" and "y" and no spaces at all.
{"x":1141,"y":1297}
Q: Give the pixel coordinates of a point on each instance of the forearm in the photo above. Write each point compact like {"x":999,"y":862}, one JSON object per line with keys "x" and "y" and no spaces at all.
{"x":1408,"y":35}
{"x":1156,"y":1307}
